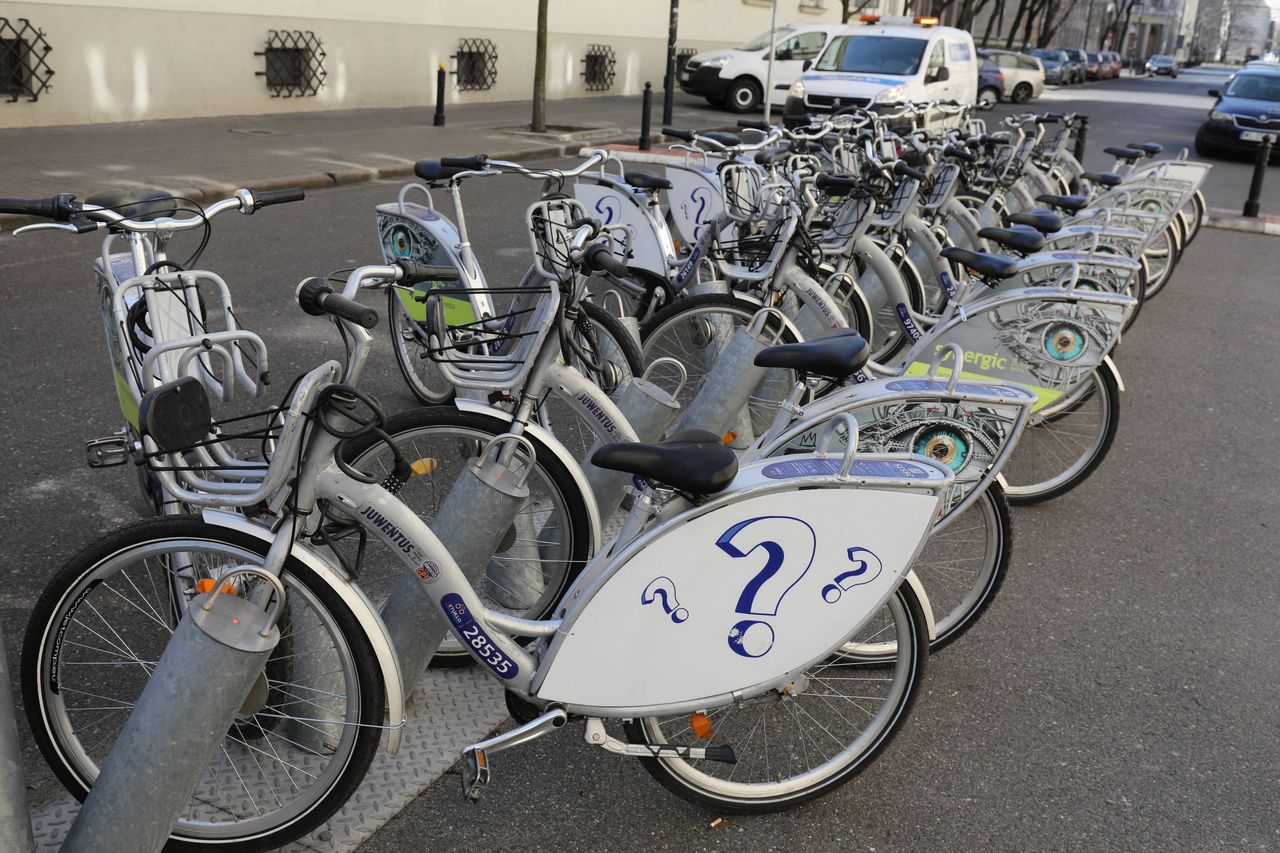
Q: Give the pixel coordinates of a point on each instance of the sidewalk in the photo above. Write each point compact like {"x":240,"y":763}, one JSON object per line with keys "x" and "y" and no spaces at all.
{"x":207,"y":158}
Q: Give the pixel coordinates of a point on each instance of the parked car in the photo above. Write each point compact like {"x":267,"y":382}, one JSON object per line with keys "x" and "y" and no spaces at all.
{"x":735,"y":79}
{"x":1116,"y":61}
{"x":887,"y":60}
{"x":990,"y":84}
{"x":1024,"y":76}
{"x":1247,"y":109}
{"x":1162,"y":65}
{"x":1056,"y":72}
{"x":1078,"y":62}
{"x":1098,"y":67}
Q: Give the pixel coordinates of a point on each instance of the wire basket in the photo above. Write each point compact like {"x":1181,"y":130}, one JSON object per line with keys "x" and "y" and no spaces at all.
{"x":551,"y":225}
{"x":748,"y":197}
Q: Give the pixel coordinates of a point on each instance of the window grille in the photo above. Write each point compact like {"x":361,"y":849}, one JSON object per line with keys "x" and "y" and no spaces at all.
{"x":24,"y":69}
{"x":599,"y":67}
{"x":475,"y":65}
{"x":294,"y":63}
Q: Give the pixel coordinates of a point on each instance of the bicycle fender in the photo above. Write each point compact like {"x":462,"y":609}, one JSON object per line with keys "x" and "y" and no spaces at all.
{"x":1115,"y":371}
{"x":918,"y":588}
{"x":352,"y":596}
{"x":562,"y":453}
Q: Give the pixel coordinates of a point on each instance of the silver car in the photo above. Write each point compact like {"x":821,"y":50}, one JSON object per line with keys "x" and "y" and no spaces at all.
{"x":1023,"y":74}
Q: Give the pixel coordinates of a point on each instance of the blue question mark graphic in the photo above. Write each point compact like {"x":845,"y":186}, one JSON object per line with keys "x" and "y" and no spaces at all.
{"x":763,"y":594}
{"x":662,"y":587}
{"x":867,"y":567}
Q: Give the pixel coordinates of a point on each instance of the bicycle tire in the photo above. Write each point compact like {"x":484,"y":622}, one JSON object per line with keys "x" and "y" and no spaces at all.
{"x":1078,"y":471}
{"x":688,"y":781}
{"x":684,"y":312}
{"x":53,"y":625}
{"x":411,"y":430}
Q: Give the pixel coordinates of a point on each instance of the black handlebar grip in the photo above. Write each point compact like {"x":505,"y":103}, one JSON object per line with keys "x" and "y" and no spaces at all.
{"x":317,"y":299}
{"x":686,"y":135}
{"x":266,"y":198}
{"x":751,"y":124}
{"x":413,"y":272}
{"x":59,"y":208}
{"x":598,"y":257}
{"x":836,"y":184}
{"x":959,"y":153}
{"x":901,"y":168}
{"x":467,"y":164}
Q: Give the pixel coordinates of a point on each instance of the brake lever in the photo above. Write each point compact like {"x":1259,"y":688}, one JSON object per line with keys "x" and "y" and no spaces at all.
{"x":54,"y":226}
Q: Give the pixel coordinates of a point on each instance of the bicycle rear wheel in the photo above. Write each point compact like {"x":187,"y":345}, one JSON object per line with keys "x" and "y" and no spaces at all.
{"x":298,"y":747}
{"x":795,"y":747}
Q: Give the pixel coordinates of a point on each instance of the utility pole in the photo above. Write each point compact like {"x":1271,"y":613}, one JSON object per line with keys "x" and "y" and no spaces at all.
{"x":669,"y":81}
{"x":1088,"y":25}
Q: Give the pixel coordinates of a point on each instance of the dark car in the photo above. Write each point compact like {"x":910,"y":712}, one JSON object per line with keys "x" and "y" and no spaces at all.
{"x":1164,"y":65}
{"x":1078,"y":63}
{"x":1055,"y":65}
{"x":1098,"y":68}
{"x":1247,"y":109}
{"x":990,"y":84}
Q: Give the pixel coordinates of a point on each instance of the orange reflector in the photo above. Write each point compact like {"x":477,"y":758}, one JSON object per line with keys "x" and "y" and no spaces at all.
{"x":927,"y":22}
{"x":701,"y":725}
{"x":728,"y":438}
{"x":424,"y":466}
{"x":206,"y":585}
{"x":868,"y":19}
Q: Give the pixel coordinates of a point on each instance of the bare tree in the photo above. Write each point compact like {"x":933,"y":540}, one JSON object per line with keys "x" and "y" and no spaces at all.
{"x":539,"y":123}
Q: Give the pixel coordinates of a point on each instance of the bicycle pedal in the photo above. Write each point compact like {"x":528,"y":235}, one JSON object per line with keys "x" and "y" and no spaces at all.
{"x":108,"y":451}
{"x":475,"y":773}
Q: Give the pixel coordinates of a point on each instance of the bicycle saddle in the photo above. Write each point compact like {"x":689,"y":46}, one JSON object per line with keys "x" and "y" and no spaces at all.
{"x":141,"y":204}
{"x":1044,"y":221}
{"x":1024,"y":240}
{"x":1072,"y":203}
{"x":1107,"y":179}
{"x":692,"y":461}
{"x":646,"y":181}
{"x":836,"y":356}
{"x":1151,"y":149}
{"x":177,"y":415}
{"x":986,"y":266}
{"x":1128,"y":154}
{"x":729,"y":140}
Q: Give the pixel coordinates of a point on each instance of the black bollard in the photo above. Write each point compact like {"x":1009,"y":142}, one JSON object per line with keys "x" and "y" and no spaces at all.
{"x":1259,"y":172}
{"x":646,"y":104}
{"x":438,"y":121}
{"x":1082,"y":138}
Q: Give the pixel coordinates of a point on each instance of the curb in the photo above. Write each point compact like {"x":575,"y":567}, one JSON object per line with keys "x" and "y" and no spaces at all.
{"x":205,"y":193}
{"x":1266,"y":224}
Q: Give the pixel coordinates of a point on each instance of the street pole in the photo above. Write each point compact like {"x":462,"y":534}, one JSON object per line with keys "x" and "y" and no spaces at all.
{"x":768,"y":72}
{"x":1088,"y":25}
{"x":669,"y":81}
{"x":1254,"y":202}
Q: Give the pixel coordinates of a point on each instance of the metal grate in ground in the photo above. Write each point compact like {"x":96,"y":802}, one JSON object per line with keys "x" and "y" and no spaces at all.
{"x":448,"y":709}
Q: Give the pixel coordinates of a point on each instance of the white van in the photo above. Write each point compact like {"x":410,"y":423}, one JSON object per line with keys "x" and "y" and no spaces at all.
{"x":734,"y":78}
{"x":886,"y":60}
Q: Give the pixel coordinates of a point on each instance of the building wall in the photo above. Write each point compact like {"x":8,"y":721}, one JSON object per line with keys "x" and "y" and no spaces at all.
{"x":134,"y":60}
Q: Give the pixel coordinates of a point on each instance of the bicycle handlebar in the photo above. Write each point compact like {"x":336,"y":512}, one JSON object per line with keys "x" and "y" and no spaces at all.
{"x":599,"y":257}
{"x":474,"y":163}
{"x":59,"y":208}
{"x":317,"y":298}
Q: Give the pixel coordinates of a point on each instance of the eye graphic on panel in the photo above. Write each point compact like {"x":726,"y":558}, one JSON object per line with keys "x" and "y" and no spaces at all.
{"x":788,"y":545}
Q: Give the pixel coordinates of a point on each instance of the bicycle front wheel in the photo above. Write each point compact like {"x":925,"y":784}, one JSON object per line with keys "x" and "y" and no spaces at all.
{"x":298,"y":747}
{"x":1065,"y":442}
{"x":796,"y":746}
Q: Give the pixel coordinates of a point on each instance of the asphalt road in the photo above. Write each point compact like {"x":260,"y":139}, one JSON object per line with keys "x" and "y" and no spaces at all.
{"x":1123,"y":692}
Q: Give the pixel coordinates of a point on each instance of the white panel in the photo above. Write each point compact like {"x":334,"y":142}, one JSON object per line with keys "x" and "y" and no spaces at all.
{"x":738,"y":597}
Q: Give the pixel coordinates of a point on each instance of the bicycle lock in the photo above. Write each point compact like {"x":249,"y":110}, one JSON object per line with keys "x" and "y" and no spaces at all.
{"x":211,"y":671}
{"x":15,"y":822}
{"x":478,"y":514}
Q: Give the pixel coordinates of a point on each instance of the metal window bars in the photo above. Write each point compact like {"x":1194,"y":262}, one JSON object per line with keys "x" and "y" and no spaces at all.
{"x":294,"y":63}
{"x":24,"y":69}
{"x":475,"y":65}
{"x":599,"y":67}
